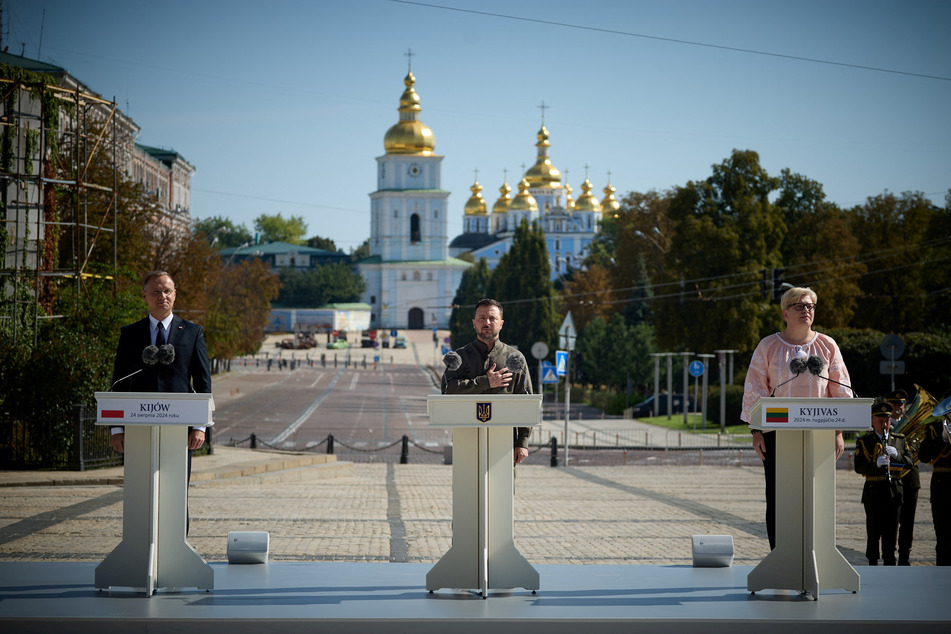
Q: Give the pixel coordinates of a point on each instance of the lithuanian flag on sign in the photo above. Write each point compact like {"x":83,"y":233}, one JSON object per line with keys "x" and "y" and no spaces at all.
{"x":777,"y":414}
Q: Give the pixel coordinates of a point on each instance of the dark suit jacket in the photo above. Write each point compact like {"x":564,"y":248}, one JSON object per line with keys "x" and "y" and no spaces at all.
{"x":190,"y":364}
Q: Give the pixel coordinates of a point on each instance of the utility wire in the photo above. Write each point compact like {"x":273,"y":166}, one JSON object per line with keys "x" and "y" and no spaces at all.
{"x":597,"y":29}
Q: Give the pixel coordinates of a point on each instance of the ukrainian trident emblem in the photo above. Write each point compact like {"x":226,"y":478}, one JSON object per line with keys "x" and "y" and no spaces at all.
{"x":484,"y":411}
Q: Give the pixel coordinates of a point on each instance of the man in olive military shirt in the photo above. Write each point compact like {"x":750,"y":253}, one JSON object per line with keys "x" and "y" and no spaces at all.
{"x":484,"y":368}
{"x":880,"y":456}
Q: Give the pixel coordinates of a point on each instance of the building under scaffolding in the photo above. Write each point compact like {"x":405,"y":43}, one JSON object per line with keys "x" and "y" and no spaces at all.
{"x":62,"y":150}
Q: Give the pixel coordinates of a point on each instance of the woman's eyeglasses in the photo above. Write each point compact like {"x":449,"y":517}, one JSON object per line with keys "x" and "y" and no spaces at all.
{"x":800,"y":306}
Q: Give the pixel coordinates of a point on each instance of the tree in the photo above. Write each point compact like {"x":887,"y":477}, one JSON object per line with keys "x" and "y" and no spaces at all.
{"x":611,"y":351}
{"x":317,"y":242}
{"x":327,"y":284}
{"x":898,"y":248}
{"x":361,"y":252}
{"x":522,"y":283}
{"x":280,"y":229}
{"x":819,"y":251}
{"x":589,"y":295}
{"x":473,"y":287}
{"x":726,"y":232}
{"x":221,"y":232}
{"x":239,"y":306}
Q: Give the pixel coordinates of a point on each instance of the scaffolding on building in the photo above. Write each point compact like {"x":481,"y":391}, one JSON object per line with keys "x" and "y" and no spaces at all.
{"x":35,"y":176}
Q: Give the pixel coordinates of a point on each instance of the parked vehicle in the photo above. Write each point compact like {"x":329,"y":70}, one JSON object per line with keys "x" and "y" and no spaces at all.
{"x":399,"y":341}
{"x":645,"y":408}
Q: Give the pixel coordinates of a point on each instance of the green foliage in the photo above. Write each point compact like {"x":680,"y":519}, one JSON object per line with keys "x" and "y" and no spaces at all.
{"x":277,"y":228}
{"x":905,"y":288}
{"x":361,"y":252}
{"x":328,"y":284}
{"x":927,"y":359}
{"x":612,"y":352}
{"x":473,"y":287}
{"x":726,"y":231}
{"x":317,"y":242}
{"x":522,"y":284}
{"x":40,"y":386}
{"x":734,"y":404}
{"x":239,"y":306}
{"x":221,"y":232}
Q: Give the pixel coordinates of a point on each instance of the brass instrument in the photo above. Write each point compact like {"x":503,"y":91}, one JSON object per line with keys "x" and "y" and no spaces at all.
{"x":914,"y":422}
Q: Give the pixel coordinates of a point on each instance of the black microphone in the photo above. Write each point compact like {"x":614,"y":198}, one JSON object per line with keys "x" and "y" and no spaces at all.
{"x":797,"y":366}
{"x":165,"y":356}
{"x":452,"y":360}
{"x":515,"y":363}
{"x":816,"y":365}
{"x":149,"y":357}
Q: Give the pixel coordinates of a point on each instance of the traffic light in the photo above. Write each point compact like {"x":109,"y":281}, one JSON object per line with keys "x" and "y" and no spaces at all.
{"x":778,"y":282}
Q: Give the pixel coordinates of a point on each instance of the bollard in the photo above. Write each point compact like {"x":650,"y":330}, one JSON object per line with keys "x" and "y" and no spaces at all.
{"x":404,"y":453}
{"x":330,"y":443}
{"x":254,"y":441}
{"x":554,"y":451}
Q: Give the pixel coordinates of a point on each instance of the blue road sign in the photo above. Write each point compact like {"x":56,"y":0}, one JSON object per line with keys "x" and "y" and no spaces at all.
{"x":696,"y":368}
{"x":561,"y":362}
{"x":548,"y":373}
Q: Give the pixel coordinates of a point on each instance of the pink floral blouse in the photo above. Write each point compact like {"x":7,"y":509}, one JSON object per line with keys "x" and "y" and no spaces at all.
{"x":770,"y":366}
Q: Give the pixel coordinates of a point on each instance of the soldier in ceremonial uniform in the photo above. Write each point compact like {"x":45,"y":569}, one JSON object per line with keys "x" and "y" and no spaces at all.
{"x":880,"y":456}
{"x":910,"y":484}
{"x":936,"y":449}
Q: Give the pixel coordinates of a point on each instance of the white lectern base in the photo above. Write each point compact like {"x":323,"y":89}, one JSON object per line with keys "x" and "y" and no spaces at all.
{"x":153,"y":552}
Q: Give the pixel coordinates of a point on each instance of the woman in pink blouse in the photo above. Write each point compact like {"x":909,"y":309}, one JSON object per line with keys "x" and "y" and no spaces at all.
{"x":770,"y":369}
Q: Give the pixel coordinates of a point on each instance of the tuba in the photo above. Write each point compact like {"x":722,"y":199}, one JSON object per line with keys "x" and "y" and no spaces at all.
{"x":914,"y":422}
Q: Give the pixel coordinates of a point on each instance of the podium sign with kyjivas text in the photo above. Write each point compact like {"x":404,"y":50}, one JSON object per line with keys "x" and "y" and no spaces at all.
{"x":483,"y":553}
{"x":153,"y":552}
{"x":805,"y":558}
{"x":812,"y":413}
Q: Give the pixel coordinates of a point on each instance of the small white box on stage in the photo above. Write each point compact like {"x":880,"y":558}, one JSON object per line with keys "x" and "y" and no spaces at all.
{"x":712,"y":551}
{"x":248,"y":547}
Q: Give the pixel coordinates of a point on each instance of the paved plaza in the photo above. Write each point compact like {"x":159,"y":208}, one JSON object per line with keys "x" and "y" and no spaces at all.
{"x":641,"y":509}
{"x":320,"y":510}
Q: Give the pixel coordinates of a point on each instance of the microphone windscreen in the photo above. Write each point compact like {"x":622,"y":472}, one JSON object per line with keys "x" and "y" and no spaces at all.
{"x":815,"y":365}
{"x":452,"y":360}
{"x":166,"y":354}
{"x":150,"y":355}
{"x":515,"y":363}
{"x":797,"y":366}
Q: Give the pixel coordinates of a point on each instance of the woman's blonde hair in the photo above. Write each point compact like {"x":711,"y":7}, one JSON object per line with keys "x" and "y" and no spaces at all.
{"x":792,"y":296}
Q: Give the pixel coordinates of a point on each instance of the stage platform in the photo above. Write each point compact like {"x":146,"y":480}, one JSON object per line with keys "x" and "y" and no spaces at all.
{"x":374,"y":597}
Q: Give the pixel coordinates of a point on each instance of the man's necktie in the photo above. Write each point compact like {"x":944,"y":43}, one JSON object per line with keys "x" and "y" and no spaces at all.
{"x":159,"y":335}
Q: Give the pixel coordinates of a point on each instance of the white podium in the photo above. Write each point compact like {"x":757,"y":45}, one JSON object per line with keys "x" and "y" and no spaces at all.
{"x":483,"y":553}
{"x":153,"y":552}
{"x":805,"y":558}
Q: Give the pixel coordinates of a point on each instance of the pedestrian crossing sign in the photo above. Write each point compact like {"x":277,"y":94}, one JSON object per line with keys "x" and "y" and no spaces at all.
{"x":548,"y":373}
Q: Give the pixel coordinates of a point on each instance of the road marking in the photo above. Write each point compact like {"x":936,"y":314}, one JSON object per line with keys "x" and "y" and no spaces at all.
{"x":290,"y":429}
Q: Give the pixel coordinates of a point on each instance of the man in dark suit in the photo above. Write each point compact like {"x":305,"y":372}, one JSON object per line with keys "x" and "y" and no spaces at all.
{"x":189,"y":371}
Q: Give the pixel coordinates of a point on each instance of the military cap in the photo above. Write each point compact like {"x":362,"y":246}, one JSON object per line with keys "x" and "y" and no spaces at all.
{"x":898,"y":396}
{"x":882,"y":409}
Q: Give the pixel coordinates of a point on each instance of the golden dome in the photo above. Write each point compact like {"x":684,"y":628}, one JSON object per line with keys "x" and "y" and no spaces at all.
{"x":409,"y":136}
{"x":569,"y":201}
{"x":524,"y":201}
{"x":505,"y":200}
{"x":610,"y":203}
{"x":586,"y":201}
{"x":543,"y":173}
{"x":476,"y":206}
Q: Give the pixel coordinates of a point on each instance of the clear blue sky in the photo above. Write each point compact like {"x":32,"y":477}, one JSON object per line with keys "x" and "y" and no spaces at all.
{"x":282,"y":105}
